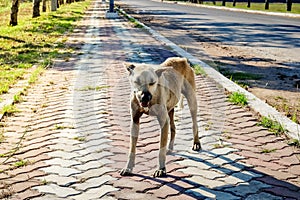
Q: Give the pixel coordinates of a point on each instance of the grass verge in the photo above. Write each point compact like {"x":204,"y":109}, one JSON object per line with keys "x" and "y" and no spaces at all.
{"x":34,"y":41}
{"x":238,"y":99}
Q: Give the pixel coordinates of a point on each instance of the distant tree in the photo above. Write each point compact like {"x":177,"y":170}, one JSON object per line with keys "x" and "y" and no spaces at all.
{"x":36,"y":8}
{"x":234,"y":3}
{"x":289,"y":5}
{"x":249,"y":4}
{"x":53,"y":5}
{"x":266,"y":4}
{"x":14,"y":13}
{"x":223,"y":2}
{"x":44,"y":7}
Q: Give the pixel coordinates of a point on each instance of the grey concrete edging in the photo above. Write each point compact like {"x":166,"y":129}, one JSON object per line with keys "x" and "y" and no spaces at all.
{"x":262,"y":108}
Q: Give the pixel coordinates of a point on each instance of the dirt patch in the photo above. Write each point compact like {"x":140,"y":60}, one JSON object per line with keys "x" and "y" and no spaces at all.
{"x":268,"y":75}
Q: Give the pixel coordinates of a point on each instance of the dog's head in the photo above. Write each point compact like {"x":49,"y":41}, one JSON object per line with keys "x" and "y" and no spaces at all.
{"x":143,"y":80}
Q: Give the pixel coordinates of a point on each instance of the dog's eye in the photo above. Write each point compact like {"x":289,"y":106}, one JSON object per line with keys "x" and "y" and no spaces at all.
{"x":151,"y":83}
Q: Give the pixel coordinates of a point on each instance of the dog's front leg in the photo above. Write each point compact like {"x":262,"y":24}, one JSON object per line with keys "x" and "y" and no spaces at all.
{"x":135,"y":125}
{"x":164,"y":122}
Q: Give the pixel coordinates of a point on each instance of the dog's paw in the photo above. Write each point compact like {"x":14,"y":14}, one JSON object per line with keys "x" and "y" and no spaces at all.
{"x":126,"y":172}
{"x":197,"y":146}
{"x":160,"y":173}
{"x":170,"y":152}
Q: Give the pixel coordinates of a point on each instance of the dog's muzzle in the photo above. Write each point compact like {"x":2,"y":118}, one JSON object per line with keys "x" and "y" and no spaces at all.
{"x":145,"y":99}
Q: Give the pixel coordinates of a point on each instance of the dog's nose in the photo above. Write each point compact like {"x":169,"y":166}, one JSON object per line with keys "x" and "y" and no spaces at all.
{"x":146,"y":97}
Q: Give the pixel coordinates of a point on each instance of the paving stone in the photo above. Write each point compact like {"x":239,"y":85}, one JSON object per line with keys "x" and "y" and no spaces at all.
{"x":62,"y":171}
{"x":220,"y":161}
{"x":95,"y":172}
{"x":57,"y":190}
{"x":95,"y":193}
{"x":245,"y":189}
{"x":24,"y":185}
{"x":283,"y":192}
{"x":48,"y":197}
{"x":263,"y":195}
{"x":93,"y":182}
{"x":63,"y":155}
{"x":27,"y":194}
{"x":62,"y":162}
{"x":90,"y":165}
{"x":127,"y":194}
{"x":192,"y":163}
{"x":214,"y":194}
{"x":223,"y":151}
{"x":206,"y":182}
{"x":59,"y":180}
{"x":231,"y":180}
{"x":208,"y":174}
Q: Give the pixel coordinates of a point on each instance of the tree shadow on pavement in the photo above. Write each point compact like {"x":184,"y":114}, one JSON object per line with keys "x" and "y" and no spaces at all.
{"x":235,"y":181}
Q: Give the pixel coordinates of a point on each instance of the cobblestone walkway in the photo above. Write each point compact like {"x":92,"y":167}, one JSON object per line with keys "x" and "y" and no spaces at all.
{"x":72,"y":135}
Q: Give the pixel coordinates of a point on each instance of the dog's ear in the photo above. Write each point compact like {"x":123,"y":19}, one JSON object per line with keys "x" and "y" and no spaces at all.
{"x":129,"y":66}
{"x":159,"y":72}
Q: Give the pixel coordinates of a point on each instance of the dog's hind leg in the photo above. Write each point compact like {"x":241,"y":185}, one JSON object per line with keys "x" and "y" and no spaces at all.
{"x":173,"y":131}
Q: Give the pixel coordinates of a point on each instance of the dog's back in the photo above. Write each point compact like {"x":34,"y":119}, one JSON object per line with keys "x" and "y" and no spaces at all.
{"x":182,"y":66}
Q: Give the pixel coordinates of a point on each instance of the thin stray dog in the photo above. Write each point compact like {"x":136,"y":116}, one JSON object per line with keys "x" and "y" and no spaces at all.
{"x":155,"y":91}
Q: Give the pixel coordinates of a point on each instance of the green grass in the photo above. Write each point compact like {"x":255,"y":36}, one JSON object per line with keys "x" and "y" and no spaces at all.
{"x":18,"y":97}
{"x":34,"y":41}
{"x":272,"y":126}
{"x":268,"y":150}
{"x":96,"y":88}
{"x":135,"y":23}
{"x":9,"y":109}
{"x":238,"y":99}
{"x":35,"y":75}
{"x":21,"y":163}
{"x":199,"y":70}
{"x":61,"y":127}
{"x":2,"y":137}
{"x":81,"y":139}
{"x":294,"y":142}
{"x":240,"y":78}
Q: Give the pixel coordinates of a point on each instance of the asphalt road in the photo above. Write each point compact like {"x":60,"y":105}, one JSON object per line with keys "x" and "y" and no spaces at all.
{"x":271,"y":37}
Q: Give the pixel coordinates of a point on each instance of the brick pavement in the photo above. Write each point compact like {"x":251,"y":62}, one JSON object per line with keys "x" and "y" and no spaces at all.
{"x":72,"y":133}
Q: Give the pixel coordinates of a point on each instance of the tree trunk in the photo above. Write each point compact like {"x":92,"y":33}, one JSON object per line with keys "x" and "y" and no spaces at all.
{"x":234,"y":3}
{"x":266,"y":4}
{"x":44,"y":6}
{"x":289,"y":5}
{"x":36,"y":8}
{"x":249,"y":4}
{"x":14,"y":13}
{"x":223,"y":2}
{"x":53,"y":5}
